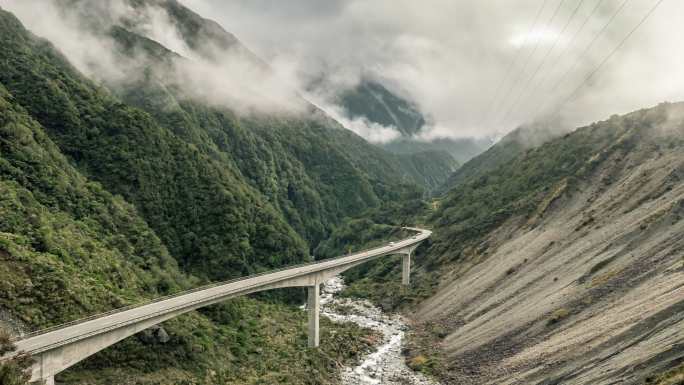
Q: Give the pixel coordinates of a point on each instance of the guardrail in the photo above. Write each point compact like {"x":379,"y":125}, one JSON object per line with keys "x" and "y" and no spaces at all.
{"x":190,"y":291}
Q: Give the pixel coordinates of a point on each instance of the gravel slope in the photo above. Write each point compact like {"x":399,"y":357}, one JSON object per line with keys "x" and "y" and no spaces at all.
{"x":590,"y":291}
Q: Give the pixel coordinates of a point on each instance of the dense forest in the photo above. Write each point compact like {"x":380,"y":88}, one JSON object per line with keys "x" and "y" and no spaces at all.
{"x":105,"y":204}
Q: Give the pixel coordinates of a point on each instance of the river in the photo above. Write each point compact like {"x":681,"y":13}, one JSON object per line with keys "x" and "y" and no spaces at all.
{"x":386,"y":365}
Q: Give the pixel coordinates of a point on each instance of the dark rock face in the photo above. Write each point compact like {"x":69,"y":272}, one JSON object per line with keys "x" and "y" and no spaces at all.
{"x":154,"y":335}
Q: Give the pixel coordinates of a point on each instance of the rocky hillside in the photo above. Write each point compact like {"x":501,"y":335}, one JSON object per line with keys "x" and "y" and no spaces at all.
{"x":566,"y":264}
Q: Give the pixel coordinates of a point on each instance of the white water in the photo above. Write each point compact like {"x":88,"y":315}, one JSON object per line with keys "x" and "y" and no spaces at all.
{"x":386,"y":365}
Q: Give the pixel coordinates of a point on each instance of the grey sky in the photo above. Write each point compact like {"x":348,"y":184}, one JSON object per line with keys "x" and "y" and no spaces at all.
{"x":450,"y":56}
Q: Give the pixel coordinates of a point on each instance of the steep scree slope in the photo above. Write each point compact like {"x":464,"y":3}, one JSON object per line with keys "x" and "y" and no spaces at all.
{"x":578,"y":275}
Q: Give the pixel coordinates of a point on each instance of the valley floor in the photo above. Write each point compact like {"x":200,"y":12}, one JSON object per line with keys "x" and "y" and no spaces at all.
{"x":386,"y":365}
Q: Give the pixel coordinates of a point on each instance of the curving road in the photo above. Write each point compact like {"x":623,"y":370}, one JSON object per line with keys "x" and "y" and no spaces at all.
{"x":60,"y":347}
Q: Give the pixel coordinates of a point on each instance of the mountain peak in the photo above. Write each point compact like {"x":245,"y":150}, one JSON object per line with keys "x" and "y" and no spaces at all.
{"x":373,"y":101}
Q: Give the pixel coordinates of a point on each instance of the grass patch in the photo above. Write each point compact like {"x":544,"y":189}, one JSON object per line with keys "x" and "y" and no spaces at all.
{"x":672,"y":377}
{"x":557,"y":316}
{"x":603,"y":278}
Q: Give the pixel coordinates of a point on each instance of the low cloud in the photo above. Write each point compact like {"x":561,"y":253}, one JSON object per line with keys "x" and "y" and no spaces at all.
{"x":229,"y":78}
{"x":450,"y":56}
{"x":371,"y":131}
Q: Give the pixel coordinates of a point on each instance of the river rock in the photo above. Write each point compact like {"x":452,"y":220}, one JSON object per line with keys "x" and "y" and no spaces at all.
{"x":384,"y":366}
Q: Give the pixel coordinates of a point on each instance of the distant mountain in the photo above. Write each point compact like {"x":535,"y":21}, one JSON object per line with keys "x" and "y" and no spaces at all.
{"x":462,"y":150}
{"x":505,"y":150}
{"x":371,"y":100}
{"x":376,"y":103}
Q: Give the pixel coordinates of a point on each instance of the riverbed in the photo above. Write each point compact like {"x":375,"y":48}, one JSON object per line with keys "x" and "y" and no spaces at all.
{"x":384,"y":366}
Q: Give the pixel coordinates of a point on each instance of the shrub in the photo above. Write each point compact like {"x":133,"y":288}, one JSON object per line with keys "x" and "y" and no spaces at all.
{"x":13,"y":371}
{"x":558,"y":316}
{"x":418,"y":362}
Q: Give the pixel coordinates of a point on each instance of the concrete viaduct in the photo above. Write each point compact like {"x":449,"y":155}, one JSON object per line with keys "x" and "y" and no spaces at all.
{"x":58,"y":348}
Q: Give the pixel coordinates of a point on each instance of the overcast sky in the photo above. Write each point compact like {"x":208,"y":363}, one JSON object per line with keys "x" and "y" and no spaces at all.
{"x":452,"y":56}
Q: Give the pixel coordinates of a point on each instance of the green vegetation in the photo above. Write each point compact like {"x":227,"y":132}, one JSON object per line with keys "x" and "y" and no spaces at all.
{"x":14,"y":371}
{"x":68,"y":248}
{"x":523,"y":187}
{"x":102,"y":206}
{"x":241,"y":342}
{"x":557,"y":316}
{"x":372,"y":101}
{"x":673,"y":376}
{"x":187,"y":198}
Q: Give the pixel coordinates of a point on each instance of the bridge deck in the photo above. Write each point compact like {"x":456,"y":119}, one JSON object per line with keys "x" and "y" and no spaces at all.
{"x":60,"y":335}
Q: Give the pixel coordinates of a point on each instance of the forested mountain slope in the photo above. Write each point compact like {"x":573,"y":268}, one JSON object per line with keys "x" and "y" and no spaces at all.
{"x":372,"y":101}
{"x":503,"y":151}
{"x":189,"y":199}
{"x":437,"y":158}
{"x":69,"y":247}
{"x":308,"y":166}
{"x":103,"y":206}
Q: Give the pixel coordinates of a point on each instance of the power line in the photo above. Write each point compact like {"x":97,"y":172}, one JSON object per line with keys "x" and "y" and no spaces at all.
{"x":610,"y":55}
{"x":529,"y":57}
{"x":543,"y":61}
{"x":570,"y":44}
{"x":579,"y":58}
{"x":512,"y":63}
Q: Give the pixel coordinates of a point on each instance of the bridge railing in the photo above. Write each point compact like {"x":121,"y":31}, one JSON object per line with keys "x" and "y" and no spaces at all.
{"x":179,"y":294}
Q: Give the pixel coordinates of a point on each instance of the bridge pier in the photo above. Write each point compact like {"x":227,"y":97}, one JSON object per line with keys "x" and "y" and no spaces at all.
{"x":406,"y":269}
{"x":48,"y":381}
{"x":57,"y":350}
{"x":314,"y":308}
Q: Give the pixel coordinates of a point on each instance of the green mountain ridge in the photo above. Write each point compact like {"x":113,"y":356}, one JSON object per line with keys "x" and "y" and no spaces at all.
{"x":373,"y":102}
{"x":104,"y":206}
{"x":505,"y":150}
{"x":130,"y":154}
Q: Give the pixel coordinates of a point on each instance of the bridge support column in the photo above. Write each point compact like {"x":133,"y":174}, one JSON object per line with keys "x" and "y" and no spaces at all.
{"x":47,"y":381}
{"x":314,"y":307}
{"x":406,"y":269}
